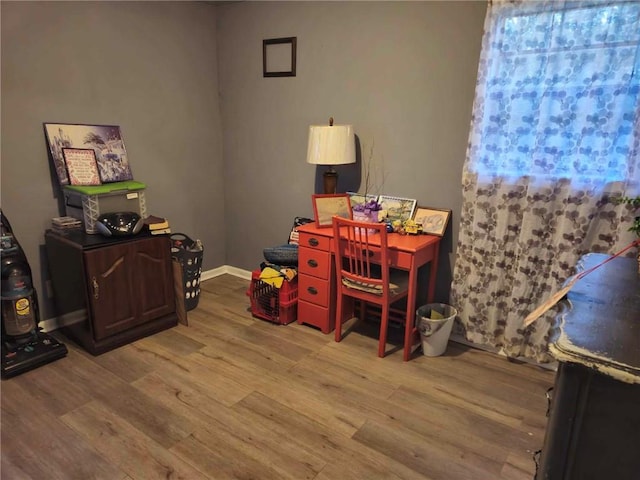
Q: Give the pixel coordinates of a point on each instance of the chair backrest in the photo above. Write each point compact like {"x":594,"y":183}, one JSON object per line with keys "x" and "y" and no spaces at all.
{"x":361,"y":254}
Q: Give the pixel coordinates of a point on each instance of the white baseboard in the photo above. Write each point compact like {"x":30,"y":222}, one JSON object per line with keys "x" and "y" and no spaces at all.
{"x":54,"y":323}
{"x":235,"y":271}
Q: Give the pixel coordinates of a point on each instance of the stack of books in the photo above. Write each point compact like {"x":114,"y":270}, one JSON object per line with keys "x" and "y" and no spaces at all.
{"x":157,"y":225}
{"x":65,"y":224}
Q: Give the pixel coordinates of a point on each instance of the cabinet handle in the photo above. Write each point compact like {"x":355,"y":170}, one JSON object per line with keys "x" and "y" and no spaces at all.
{"x":314,"y":242}
{"x":312,"y":263}
{"x":96,"y":288}
{"x":312,"y":290}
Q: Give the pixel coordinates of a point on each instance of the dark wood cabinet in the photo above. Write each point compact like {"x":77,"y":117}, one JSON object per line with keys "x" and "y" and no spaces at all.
{"x":109,"y":292}
{"x":593,"y":431}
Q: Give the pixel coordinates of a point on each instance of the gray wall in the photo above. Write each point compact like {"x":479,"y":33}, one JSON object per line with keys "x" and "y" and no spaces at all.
{"x":183,"y":79}
{"x":402,"y":73}
{"x":148,"y":67}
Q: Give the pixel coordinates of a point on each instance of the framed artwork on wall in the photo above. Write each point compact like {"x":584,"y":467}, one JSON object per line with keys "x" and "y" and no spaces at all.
{"x":325,"y":206}
{"x":279,"y":57}
{"x":105,"y":140}
{"x":82,"y":168}
{"x":434,"y":221}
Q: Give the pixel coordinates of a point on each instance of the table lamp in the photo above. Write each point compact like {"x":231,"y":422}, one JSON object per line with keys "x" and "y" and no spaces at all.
{"x":331,"y":145}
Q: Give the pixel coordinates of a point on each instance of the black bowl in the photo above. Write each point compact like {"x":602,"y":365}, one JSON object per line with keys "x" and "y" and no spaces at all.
{"x":119,"y":224}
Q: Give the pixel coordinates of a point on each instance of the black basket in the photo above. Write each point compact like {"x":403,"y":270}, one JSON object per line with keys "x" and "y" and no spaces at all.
{"x":189,"y":254}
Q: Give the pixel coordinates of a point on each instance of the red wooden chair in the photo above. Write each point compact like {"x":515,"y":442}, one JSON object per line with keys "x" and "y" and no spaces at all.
{"x":363,"y":273}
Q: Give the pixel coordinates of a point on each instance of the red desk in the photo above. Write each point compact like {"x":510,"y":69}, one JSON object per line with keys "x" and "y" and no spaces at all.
{"x":316,"y":274}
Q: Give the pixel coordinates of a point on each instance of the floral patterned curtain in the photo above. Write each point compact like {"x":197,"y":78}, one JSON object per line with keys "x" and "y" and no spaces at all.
{"x":554,"y":141}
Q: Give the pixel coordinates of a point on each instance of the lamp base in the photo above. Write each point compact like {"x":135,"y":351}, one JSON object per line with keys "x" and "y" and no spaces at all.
{"x":330,"y":181}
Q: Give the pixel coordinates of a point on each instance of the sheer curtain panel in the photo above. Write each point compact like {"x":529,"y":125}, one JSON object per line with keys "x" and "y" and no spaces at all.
{"x":554,"y":142}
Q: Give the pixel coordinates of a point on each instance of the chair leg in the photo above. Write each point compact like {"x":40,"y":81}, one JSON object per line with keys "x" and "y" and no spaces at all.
{"x":384,"y":321}
{"x":339,"y":302}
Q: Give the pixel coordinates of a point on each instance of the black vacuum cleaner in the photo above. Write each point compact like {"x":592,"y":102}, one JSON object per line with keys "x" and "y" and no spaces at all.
{"x":24,"y":346}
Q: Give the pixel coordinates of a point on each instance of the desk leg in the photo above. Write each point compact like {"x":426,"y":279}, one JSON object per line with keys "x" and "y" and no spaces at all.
{"x":411,"y":311}
{"x":433,"y":272}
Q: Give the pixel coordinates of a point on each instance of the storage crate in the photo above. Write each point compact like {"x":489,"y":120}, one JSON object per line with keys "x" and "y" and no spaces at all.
{"x":87,"y":203}
{"x":277,"y":305}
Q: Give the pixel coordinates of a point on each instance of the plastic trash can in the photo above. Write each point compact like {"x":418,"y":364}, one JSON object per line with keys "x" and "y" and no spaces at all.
{"x":434,"y":322}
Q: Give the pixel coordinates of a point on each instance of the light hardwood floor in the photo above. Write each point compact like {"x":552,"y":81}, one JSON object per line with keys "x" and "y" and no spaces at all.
{"x":233,"y":397}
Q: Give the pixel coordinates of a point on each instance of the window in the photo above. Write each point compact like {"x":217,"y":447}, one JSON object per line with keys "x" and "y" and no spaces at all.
{"x":560,"y":92}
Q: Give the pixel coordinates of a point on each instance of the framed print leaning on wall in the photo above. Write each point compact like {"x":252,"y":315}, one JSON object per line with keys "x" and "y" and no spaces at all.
{"x":82,"y":167}
{"x":433,"y":220}
{"x":327,"y":205}
{"x":105,"y":140}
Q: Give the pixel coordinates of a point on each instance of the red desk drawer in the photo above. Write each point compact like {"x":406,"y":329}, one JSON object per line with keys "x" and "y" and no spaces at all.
{"x":314,"y":262}
{"x":314,"y":290}
{"x":319,"y":242}
{"x":315,"y":315}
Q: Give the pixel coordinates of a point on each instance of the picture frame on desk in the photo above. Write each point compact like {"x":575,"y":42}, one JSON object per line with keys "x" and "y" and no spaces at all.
{"x":325,"y":206}
{"x":397,"y":208}
{"x":434,"y":221}
{"x":361,"y":198}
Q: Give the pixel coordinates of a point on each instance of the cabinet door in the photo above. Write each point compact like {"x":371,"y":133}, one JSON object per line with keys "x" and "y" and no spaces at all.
{"x":153,"y":287}
{"x":110,"y":279}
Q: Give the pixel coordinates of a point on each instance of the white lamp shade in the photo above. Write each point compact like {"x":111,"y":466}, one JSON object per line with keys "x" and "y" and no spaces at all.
{"x":331,"y":145}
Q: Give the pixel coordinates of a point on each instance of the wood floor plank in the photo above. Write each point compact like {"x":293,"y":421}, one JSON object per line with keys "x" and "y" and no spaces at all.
{"x":220,"y":461}
{"x":429,"y":415}
{"x":174,"y":341}
{"x":303,"y":397}
{"x":463,"y":413}
{"x":434,"y":417}
{"x":40,"y":446}
{"x":282,"y":453}
{"x":444,"y":373}
{"x":9,"y":469}
{"x":439,"y":461}
{"x":51,"y":389}
{"x":220,"y":386}
{"x":235,"y":397}
{"x":124,"y":362}
{"x":143,"y":412}
{"x":345,"y":458}
{"x":343,"y":374}
{"x":519,"y":466}
{"x":130,"y":449}
{"x":264,"y":350}
{"x":205,"y":323}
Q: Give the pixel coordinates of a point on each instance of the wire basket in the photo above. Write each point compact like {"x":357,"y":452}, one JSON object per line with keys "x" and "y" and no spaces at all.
{"x":189,"y":253}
